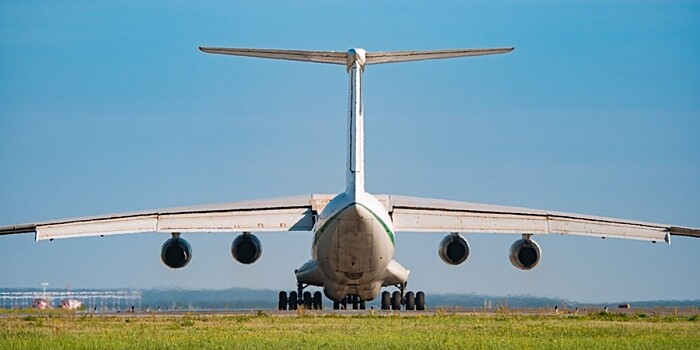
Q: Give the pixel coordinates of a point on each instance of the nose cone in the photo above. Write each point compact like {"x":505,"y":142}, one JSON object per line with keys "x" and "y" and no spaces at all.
{"x":356,"y":55}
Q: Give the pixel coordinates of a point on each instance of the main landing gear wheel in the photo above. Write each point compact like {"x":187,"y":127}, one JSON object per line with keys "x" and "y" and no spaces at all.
{"x":307,"y":300}
{"x":283,"y":300}
{"x":386,"y":300}
{"x":293,"y":300}
{"x":396,"y":300}
{"x":410,"y":301}
{"x":420,"y":301}
{"x":318,"y":301}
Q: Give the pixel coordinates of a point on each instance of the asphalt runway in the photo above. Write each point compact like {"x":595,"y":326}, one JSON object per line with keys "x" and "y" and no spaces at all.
{"x":351,"y":313}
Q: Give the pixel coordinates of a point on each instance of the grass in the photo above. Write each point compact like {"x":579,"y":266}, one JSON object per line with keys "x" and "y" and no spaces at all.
{"x":308,"y":330}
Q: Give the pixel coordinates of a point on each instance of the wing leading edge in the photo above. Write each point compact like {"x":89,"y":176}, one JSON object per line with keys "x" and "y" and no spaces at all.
{"x":280,"y":214}
{"x":409,"y":214}
{"x":413,"y":214}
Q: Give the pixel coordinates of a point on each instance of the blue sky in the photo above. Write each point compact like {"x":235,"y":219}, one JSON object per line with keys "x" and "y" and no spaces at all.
{"x":109,"y":107}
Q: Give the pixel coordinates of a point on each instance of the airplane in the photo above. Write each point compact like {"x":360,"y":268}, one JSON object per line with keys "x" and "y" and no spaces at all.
{"x":354,"y":231}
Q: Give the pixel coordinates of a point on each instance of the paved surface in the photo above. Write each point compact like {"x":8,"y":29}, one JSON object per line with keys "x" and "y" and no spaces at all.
{"x":277,"y":313}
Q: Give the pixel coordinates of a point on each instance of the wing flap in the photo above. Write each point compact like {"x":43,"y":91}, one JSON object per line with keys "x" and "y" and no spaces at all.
{"x":439,"y":220}
{"x":413,"y":214}
{"x":266,"y":215}
{"x":97,"y":227}
{"x":274,"y":220}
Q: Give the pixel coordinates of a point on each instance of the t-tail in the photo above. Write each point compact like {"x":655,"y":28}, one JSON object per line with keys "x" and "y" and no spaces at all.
{"x":355,"y":61}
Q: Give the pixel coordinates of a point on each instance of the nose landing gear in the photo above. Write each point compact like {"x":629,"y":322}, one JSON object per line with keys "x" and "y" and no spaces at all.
{"x":353,"y":301}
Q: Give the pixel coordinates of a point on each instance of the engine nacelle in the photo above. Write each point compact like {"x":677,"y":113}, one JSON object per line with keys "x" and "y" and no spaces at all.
{"x":525,"y":254}
{"x":246,"y":248}
{"x":453,"y":249}
{"x":176,"y":252}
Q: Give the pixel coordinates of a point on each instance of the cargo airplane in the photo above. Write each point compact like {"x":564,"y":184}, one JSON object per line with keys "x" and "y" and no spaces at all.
{"x":353,"y":242}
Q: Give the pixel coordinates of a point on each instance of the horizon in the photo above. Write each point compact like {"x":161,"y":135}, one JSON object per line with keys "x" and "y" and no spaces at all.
{"x":239,"y":294}
{"x":110,"y":107}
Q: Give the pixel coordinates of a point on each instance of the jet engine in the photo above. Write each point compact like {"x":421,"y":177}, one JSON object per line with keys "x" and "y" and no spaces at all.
{"x":525,"y":253}
{"x":176,"y":252}
{"x":246,"y":248}
{"x":453,"y":249}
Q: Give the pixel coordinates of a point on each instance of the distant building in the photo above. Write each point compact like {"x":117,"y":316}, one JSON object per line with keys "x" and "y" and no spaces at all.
{"x":71,"y":304}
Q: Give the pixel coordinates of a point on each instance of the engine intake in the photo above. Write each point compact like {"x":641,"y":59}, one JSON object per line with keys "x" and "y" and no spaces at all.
{"x":246,"y":248}
{"x":525,"y":254}
{"x":453,"y":249}
{"x":176,"y":252}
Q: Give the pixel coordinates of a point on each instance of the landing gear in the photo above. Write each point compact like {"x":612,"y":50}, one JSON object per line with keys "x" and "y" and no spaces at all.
{"x":283,"y":300}
{"x":386,"y":300}
{"x":299,"y":297}
{"x":307,"y":300}
{"x":353,"y":301}
{"x":409,"y":300}
{"x":420,"y":301}
{"x":293,"y":300}
{"x":317,"y":301}
{"x":396,"y":300}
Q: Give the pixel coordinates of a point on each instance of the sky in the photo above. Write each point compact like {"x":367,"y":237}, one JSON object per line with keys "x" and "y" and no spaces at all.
{"x":108,"y":107}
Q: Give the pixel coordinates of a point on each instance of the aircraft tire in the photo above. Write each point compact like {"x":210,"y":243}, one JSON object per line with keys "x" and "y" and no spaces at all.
{"x":396,"y":301}
{"x":410,"y":301}
{"x":420,"y":301}
{"x":308,"y":303}
{"x":282,"y":305}
{"x":318,"y":301}
{"x":386,"y":300}
{"x":293,"y":300}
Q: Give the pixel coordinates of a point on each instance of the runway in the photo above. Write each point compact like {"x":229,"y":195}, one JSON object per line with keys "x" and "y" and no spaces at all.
{"x":661,"y":311}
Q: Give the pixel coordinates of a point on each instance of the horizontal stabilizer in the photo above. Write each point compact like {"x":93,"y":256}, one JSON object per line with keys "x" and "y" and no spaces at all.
{"x":343,"y":58}
{"x":292,"y":55}
{"x":405,"y":56}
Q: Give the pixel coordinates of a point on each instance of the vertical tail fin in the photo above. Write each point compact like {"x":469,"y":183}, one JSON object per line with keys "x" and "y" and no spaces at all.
{"x":355,"y":61}
{"x":355,"y":172}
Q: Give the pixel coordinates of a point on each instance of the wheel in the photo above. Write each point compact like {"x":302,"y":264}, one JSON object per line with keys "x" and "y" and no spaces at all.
{"x":420,"y":301}
{"x":282,"y":305}
{"x":386,"y":300}
{"x":307,"y":300}
{"x":293,"y":300}
{"x":410,"y":301}
{"x":355,"y":302}
{"x":362,"y":305}
{"x":318,"y":301}
{"x":336,"y":305}
{"x":396,"y":300}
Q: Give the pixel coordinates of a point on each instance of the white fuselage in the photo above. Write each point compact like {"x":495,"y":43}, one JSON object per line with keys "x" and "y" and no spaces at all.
{"x":353,"y":247}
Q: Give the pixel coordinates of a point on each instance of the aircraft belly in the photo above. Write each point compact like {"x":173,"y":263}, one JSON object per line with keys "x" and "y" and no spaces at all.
{"x":354,"y":248}
{"x":354,"y":244}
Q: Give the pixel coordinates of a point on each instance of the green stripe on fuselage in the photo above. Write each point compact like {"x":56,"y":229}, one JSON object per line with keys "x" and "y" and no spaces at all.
{"x":320,"y":231}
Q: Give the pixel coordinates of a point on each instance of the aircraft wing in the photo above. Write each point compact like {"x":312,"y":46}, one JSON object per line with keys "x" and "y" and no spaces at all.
{"x":412,"y":214}
{"x":281,"y":214}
